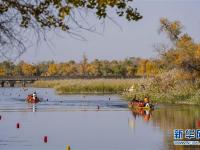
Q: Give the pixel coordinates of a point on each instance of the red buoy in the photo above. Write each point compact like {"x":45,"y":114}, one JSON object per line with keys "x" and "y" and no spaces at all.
{"x":45,"y":139}
{"x":198,"y":123}
{"x":17,"y":126}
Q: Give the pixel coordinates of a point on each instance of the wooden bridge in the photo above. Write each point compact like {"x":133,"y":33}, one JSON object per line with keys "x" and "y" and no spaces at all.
{"x":23,"y":80}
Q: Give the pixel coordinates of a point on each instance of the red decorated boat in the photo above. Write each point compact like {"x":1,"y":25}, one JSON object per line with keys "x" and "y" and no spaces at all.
{"x":140,"y":104}
{"x":30,"y":99}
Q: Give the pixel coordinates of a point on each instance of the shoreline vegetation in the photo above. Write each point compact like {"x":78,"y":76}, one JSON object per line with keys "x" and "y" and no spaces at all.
{"x":164,"y":88}
{"x":87,"y":86}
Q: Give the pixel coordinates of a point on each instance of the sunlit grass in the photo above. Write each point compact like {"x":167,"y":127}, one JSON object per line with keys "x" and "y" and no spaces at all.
{"x":87,"y":85}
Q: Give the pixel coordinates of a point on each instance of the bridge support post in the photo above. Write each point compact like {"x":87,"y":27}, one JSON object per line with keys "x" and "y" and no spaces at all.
{"x":12,"y":83}
{"x":23,"y":83}
{"x":2,"y":83}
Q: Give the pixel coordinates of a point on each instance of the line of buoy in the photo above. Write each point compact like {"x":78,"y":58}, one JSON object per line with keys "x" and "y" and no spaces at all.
{"x":45,"y":138}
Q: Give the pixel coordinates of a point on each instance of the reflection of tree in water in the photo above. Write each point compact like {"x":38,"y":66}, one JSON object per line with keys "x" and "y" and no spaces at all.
{"x":176,"y":117}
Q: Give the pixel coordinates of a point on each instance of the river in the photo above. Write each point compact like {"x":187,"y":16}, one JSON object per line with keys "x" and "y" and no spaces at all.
{"x":77,"y":121}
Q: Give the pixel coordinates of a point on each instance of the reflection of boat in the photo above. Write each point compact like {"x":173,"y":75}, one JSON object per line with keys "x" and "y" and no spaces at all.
{"x":145,"y":113}
{"x":140,"y":104}
{"x":32,"y":107}
{"x":131,"y":123}
{"x":30,"y":99}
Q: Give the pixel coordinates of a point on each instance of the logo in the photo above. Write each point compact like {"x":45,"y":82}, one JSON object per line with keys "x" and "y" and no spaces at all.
{"x":186,"y":137}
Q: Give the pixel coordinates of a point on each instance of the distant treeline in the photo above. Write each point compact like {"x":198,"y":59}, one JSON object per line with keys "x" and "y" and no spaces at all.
{"x":127,"y":68}
{"x":181,"y":58}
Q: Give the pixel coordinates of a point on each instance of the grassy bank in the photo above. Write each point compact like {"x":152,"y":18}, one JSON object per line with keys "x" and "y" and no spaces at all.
{"x":166,"y":88}
{"x":87,"y":85}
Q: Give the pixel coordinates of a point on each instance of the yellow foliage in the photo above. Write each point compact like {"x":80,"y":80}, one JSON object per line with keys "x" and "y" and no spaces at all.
{"x":198,"y":51}
{"x":91,"y":69}
{"x":52,"y":69}
{"x":67,"y":69}
{"x":2,"y":72}
{"x":28,"y":69}
{"x":130,"y":71}
{"x":142,"y":67}
{"x":182,"y":75}
{"x":151,"y":68}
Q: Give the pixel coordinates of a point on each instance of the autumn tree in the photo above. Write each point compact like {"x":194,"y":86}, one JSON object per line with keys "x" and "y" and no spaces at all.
{"x":96,"y":68}
{"x":171,"y":28}
{"x":17,"y":71}
{"x":8,"y":67}
{"x":152,"y":68}
{"x":106,"y":69}
{"x":130,"y":71}
{"x":67,"y":69}
{"x":2,"y":71}
{"x":118,"y":69}
{"x":84,"y":66}
{"x":184,"y":54}
{"x":52,"y":69}
{"x":91,"y":70}
{"x":39,"y":16}
{"x":142,"y":66}
{"x":41,"y":68}
{"x":28,"y":69}
{"x":130,"y":65}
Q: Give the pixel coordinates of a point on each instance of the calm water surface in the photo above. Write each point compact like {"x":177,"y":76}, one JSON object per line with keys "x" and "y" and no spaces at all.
{"x":75,"y":120}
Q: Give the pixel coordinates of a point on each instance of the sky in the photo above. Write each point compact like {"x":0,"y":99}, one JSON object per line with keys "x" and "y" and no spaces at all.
{"x":124,"y":40}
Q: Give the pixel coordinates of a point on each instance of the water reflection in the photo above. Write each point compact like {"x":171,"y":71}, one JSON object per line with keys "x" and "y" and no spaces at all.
{"x":109,"y":123}
{"x":167,"y":118}
{"x":32,"y":107}
{"x":170,"y":117}
{"x":145,"y":114}
{"x":140,"y":113}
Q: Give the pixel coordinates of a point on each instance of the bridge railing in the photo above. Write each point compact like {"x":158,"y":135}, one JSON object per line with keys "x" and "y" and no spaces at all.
{"x":34,"y":78}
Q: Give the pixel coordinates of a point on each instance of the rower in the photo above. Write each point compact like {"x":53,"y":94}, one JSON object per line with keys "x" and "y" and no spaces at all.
{"x":146,"y":101}
{"x":34,"y":95}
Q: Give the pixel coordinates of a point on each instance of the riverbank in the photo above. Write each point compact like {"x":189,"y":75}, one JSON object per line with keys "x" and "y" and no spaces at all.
{"x":161,"y":89}
{"x":87,"y":86}
{"x":166,"y":88}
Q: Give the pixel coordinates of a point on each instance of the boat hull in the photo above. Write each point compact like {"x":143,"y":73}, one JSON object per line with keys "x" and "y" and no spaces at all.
{"x":30,"y":99}
{"x":139,"y":105}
